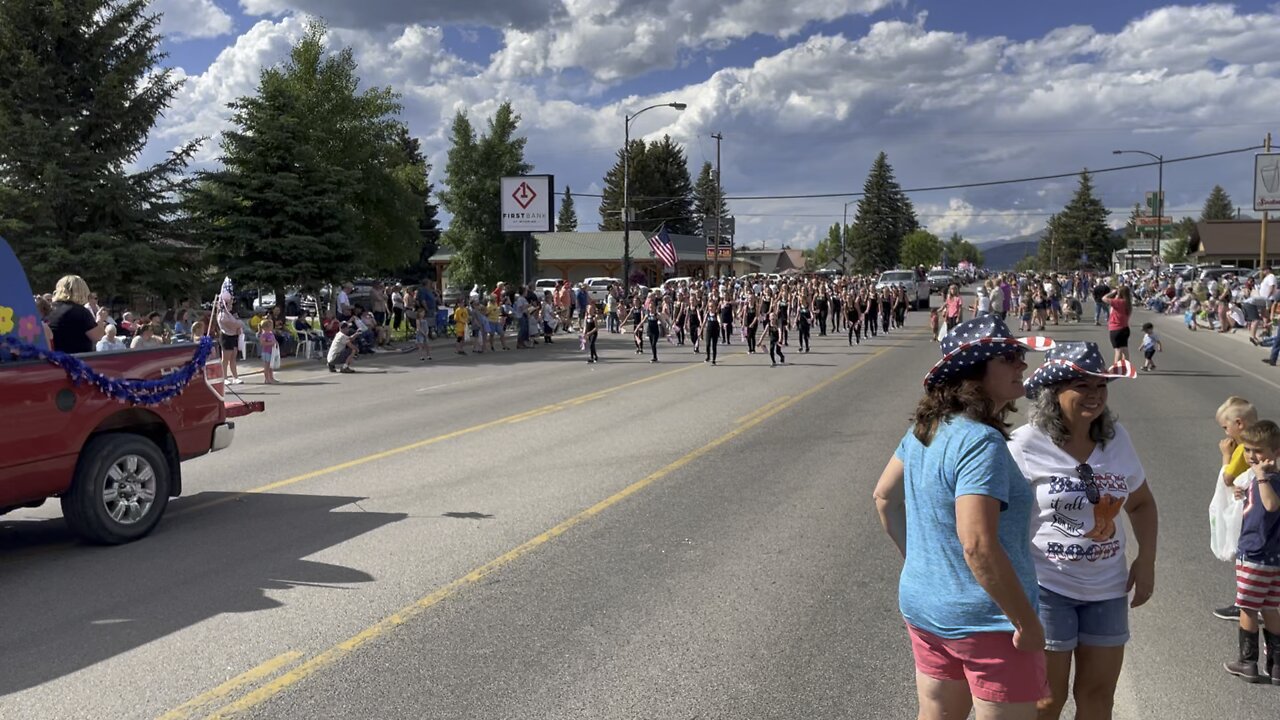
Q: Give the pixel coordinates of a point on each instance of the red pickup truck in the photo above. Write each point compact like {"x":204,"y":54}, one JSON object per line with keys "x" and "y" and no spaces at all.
{"x":114,"y":465}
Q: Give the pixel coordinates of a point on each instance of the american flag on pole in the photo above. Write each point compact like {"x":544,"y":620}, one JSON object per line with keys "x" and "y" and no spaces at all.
{"x":661,"y":245}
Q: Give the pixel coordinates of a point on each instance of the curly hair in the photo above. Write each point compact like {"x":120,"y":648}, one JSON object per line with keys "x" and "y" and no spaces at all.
{"x":1046,"y":415}
{"x":963,"y":395}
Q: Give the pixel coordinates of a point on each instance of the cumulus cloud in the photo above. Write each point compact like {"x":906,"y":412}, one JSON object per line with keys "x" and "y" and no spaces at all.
{"x":947,"y":107}
{"x":615,"y":39}
{"x":380,"y":14}
{"x":184,"y":19}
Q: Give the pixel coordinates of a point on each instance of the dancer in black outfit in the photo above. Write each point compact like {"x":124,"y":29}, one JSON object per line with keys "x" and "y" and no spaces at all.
{"x":695,"y":324}
{"x":886,"y":308}
{"x":852,"y":319}
{"x":590,"y":330}
{"x":775,"y":334}
{"x":711,"y":333}
{"x":803,"y":327}
{"x":726,"y":321}
{"x":820,"y":307}
{"x":837,"y":303}
{"x":651,"y":329}
{"x":782,"y":319}
{"x":870,"y":312}
{"x":750,"y":324}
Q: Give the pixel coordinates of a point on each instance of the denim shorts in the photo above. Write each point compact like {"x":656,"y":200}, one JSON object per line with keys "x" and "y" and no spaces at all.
{"x":1069,"y":622}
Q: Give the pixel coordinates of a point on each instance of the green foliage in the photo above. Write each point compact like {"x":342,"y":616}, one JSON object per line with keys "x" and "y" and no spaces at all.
{"x":957,"y":250}
{"x":79,"y":92}
{"x":318,"y":182}
{"x":1131,"y":229}
{"x":567,"y":220}
{"x":483,"y":254}
{"x":416,"y":174}
{"x":1175,"y":250}
{"x":1080,"y":229}
{"x":708,"y":201}
{"x":827,"y":249}
{"x":659,"y":189}
{"x":1029,"y":263}
{"x":1218,"y":205}
{"x":921,"y":248}
{"x":885,"y":216}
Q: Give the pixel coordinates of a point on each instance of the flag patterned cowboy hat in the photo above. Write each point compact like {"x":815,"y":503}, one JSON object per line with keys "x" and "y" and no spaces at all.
{"x":1071,"y":360}
{"x":976,"y":341}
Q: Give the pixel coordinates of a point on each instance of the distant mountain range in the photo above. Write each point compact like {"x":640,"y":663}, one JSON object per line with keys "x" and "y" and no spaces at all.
{"x":1005,"y":253}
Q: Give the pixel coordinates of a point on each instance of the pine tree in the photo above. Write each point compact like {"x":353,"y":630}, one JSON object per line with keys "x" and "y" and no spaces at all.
{"x":659,"y":190}
{"x":885,"y":216}
{"x":1080,"y":231}
{"x":567,"y":221}
{"x":79,"y":92}
{"x":418,"y":171}
{"x":317,"y":183}
{"x":708,"y":201}
{"x":483,"y":254}
{"x":1218,"y":205}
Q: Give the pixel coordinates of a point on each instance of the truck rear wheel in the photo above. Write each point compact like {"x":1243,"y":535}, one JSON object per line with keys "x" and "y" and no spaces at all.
{"x":120,"y":490}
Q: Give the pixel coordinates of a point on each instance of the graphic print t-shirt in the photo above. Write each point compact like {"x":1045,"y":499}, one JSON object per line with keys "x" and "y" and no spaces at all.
{"x":1067,"y":562}
{"x":937,"y":592}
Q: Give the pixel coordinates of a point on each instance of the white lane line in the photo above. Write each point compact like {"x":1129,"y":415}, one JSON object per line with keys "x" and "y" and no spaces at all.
{"x":1250,"y":373}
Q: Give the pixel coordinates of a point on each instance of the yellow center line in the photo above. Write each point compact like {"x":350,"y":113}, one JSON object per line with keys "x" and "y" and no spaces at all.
{"x":759,"y":410}
{"x":253,"y":675}
{"x":400,"y":617}
{"x":536,"y":412}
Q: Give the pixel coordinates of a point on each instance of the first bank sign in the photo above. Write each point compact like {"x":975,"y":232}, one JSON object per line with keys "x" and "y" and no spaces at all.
{"x":528,"y":203}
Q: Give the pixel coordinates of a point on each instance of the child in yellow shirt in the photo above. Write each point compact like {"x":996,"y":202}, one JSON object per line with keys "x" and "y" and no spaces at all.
{"x":1233,"y":417}
{"x":461,"y":321}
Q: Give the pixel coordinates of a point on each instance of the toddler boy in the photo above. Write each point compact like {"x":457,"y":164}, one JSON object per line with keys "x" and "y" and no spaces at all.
{"x":1150,"y":344}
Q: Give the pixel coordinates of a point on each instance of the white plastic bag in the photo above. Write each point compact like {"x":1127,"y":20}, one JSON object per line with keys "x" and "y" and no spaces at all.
{"x":275,"y":357}
{"x":1225,"y":513}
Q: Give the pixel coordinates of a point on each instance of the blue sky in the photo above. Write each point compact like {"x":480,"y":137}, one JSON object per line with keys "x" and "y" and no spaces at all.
{"x":805,"y":92}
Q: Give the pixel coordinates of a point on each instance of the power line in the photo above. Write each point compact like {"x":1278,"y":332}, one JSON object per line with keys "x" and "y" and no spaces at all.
{"x":988,"y":183}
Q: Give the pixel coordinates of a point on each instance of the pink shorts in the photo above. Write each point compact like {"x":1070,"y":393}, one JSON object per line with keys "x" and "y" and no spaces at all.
{"x":995,"y":670}
{"x":1257,"y":586}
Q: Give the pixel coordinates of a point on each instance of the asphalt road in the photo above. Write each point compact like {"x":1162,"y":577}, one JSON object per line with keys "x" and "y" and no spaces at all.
{"x":522,"y":535}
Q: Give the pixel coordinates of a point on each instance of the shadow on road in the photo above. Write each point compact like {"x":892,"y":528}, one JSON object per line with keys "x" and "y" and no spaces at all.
{"x":69,"y":606}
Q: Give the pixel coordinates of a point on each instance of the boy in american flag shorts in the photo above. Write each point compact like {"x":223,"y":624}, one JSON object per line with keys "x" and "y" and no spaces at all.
{"x":1258,"y":556}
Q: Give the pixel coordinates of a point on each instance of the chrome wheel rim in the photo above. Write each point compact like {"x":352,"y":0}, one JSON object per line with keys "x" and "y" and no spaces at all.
{"x":129,"y":489}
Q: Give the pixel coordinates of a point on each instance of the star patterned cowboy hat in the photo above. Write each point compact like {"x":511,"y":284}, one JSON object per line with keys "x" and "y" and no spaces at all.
{"x":1071,"y":360}
{"x":976,"y":341}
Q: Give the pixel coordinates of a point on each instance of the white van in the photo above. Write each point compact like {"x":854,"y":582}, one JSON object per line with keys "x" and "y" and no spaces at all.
{"x":598,"y":287}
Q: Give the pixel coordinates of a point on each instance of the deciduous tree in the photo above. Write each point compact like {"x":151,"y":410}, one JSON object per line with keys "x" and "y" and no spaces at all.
{"x":921,"y":247}
{"x":483,"y":254}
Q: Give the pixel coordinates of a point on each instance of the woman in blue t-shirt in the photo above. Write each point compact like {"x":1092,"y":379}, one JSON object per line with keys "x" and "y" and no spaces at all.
{"x":953,"y":501}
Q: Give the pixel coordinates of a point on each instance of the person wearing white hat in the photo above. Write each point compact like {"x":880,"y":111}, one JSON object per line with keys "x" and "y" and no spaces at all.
{"x":1083,"y":469}
{"x":953,"y":501}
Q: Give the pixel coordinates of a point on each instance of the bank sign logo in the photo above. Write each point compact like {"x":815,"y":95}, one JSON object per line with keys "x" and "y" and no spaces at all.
{"x":524,"y":195}
{"x":528,"y":203}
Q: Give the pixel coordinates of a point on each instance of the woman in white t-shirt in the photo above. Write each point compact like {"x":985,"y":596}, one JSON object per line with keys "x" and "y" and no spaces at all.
{"x":1083,"y":470}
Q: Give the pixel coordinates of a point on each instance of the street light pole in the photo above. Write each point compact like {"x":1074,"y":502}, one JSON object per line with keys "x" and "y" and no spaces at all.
{"x":844,"y":237}
{"x":1155,"y":260}
{"x":626,"y":185}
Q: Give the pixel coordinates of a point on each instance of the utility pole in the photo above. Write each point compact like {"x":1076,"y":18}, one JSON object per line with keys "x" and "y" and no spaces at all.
{"x":719,"y":200}
{"x":1262,"y":242}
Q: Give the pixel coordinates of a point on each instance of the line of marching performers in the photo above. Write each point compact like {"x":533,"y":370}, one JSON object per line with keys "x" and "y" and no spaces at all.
{"x":762,"y":314}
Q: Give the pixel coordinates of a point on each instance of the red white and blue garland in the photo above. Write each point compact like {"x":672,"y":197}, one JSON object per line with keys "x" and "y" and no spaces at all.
{"x":134,"y":392}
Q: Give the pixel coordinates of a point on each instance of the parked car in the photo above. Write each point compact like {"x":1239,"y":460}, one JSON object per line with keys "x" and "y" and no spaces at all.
{"x":940,"y":280}
{"x":452,"y":295}
{"x":1216,"y":273}
{"x":913,"y":281}
{"x":598,"y":287}
{"x":295,"y":302}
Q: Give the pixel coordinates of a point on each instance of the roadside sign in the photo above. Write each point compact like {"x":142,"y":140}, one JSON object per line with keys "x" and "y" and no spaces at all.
{"x":1152,"y":221}
{"x":1266,"y":181}
{"x":1151,"y":203}
{"x":721,"y":253}
{"x":528,"y":203}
